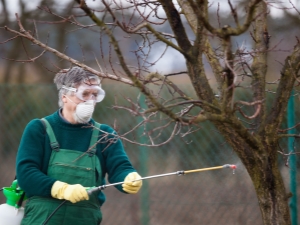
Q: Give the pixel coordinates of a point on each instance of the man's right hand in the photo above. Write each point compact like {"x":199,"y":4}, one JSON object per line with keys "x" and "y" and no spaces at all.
{"x":74,"y":193}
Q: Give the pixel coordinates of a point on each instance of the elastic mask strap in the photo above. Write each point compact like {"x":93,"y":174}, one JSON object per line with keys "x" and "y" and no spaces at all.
{"x":53,"y":142}
{"x":71,"y":100}
{"x":94,"y":139}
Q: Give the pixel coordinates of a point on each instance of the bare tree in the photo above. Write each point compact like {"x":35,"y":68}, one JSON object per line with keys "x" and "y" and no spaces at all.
{"x":251,"y":128}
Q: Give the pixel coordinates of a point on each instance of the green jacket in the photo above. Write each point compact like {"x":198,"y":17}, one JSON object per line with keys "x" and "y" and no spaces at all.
{"x":34,"y":154}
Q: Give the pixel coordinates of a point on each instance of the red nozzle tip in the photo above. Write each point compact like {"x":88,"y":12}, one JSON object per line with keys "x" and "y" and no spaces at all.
{"x":233,"y":167}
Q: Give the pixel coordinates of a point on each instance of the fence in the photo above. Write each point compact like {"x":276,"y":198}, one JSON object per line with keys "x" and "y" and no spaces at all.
{"x":212,"y":197}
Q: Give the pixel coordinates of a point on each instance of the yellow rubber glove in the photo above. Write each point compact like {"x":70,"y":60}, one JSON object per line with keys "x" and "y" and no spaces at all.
{"x":132,"y":187}
{"x":73,"y":193}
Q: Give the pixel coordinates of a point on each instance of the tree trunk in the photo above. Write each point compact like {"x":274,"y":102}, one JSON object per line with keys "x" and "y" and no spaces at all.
{"x":261,"y":162}
{"x":270,"y":190}
{"x":264,"y":172}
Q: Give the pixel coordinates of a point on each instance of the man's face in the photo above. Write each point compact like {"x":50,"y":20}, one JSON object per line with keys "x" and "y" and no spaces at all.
{"x":89,"y":92}
{"x":75,"y":112}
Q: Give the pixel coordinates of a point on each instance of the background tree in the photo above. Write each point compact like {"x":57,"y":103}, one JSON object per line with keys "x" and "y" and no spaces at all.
{"x":252,"y":128}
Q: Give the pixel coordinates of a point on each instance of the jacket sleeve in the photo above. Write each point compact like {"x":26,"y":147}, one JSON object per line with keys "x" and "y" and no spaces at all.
{"x":116,"y":162}
{"x":31,"y":164}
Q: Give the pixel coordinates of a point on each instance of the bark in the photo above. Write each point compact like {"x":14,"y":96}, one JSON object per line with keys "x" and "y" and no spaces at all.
{"x":269,"y":186}
{"x":261,"y":163}
{"x":259,"y":65}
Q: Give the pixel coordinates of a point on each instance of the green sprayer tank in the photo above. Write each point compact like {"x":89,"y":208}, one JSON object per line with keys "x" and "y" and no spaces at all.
{"x":10,"y":212}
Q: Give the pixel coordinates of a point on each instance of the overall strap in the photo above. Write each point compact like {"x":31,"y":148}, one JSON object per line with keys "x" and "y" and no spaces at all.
{"x":94,"y":139}
{"x":53,"y":142}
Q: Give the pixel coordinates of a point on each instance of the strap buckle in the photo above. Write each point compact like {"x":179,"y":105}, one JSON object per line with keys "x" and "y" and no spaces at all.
{"x":54,"y":146}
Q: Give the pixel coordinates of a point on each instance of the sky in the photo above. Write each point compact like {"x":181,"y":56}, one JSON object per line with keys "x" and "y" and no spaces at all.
{"x":13,"y":5}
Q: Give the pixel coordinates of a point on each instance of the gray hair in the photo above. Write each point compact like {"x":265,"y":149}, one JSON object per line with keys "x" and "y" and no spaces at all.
{"x":72,"y":77}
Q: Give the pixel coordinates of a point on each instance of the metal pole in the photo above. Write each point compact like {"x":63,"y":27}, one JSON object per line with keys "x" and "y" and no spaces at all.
{"x":292,"y":161}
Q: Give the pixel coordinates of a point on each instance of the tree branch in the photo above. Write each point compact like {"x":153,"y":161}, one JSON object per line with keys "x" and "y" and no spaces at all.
{"x":223,"y":33}
{"x":286,"y":83}
{"x":25,"y":34}
{"x":176,"y":25}
{"x":123,"y":64}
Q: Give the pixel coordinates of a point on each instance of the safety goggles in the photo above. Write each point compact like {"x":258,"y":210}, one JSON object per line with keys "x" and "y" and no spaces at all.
{"x":87,"y":92}
{"x":92,"y":80}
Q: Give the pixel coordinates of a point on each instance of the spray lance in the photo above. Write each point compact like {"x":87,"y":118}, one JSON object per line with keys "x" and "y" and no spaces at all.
{"x":91,"y":190}
{"x":181,"y":172}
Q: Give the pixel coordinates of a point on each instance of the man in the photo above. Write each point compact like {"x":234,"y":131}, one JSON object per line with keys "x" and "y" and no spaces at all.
{"x":64,"y":153}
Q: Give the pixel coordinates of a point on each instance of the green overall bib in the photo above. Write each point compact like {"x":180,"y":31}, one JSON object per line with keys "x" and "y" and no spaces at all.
{"x":72,"y":167}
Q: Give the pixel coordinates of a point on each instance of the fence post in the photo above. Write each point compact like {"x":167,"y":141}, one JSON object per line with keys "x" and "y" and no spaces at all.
{"x":143,"y":171}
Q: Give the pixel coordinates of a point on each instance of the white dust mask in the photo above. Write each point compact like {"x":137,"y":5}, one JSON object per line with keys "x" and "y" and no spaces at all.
{"x":84,"y":111}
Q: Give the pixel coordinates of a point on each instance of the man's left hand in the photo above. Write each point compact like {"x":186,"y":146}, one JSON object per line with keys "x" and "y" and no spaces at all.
{"x":132,"y":184}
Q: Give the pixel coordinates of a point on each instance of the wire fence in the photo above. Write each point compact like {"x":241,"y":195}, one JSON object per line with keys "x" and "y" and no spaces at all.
{"x":212,"y":197}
